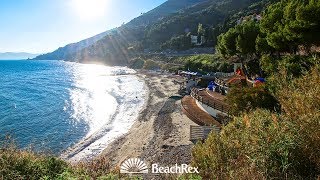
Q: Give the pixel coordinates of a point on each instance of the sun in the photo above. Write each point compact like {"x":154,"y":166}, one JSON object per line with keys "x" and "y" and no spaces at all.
{"x":89,"y":9}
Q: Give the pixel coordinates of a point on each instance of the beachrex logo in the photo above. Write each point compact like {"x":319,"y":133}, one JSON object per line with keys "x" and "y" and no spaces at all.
{"x":137,"y":166}
{"x":133,"y":166}
{"x":181,"y":169}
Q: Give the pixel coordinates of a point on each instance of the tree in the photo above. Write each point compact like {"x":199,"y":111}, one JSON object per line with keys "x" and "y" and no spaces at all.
{"x":240,"y":41}
{"x":181,"y":42}
{"x":289,"y":24}
{"x":246,"y":40}
{"x":262,"y":46}
{"x":272,"y":26}
{"x":307,"y":24}
{"x":227,"y":43}
{"x":201,"y":30}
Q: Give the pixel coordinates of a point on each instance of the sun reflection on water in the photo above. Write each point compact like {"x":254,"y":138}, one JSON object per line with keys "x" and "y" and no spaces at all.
{"x":90,"y":96}
{"x":107,"y":100}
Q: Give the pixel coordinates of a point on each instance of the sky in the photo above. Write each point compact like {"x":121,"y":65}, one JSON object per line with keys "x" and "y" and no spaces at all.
{"x":40,"y":26}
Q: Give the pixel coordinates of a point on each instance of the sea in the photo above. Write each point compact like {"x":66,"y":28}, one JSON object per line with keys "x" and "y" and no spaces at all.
{"x":68,"y":109}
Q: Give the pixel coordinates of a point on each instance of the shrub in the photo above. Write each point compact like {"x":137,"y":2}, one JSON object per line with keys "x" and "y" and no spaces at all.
{"x":245,"y":99}
{"x":151,"y":65}
{"x":25,"y":164}
{"x":190,"y":177}
{"x":16,"y":164}
{"x":171,"y":68}
{"x":300,"y":102}
{"x":207,"y":63}
{"x":257,"y":145}
{"x":265,"y":145}
{"x":293,"y":65}
{"x":137,"y":63}
{"x":181,"y":42}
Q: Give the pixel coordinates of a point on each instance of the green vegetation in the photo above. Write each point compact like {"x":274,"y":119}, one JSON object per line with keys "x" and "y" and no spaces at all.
{"x":290,"y":24}
{"x":302,"y":109}
{"x":294,"y":65}
{"x":181,"y":42}
{"x":287,"y":27}
{"x":262,"y":144}
{"x":151,"y":65}
{"x":25,"y":164}
{"x":155,"y":62}
{"x":17,"y":164}
{"x":206,"y":63}
{"x":239,"y":41}
{"x":136,"y":63}
{"x":246,"y":99}
{"x":165,"y":9}
{"x":168,"y":26}
{"x":207,"y":18}
{"x":258,"y":145}
{"x":123,"y":34}
{"x":275,"y":131}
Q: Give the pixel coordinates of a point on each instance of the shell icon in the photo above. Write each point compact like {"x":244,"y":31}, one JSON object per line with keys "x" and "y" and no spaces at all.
{"x":133,"y":166}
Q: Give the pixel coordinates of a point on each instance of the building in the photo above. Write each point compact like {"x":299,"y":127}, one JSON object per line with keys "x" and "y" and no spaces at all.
{"x":198,"y":41}
{"x":254,"y":17}
{"x":194,"y":39}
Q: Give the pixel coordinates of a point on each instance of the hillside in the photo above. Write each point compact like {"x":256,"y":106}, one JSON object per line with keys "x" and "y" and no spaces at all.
{"x":128,"y":41}
{"x":215,"y":16}
{"x":167,"y":8}
{"x":168,"y":26}
{"x":64,"y":52}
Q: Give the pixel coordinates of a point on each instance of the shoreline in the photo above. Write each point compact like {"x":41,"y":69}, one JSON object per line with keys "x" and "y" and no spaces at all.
{"x":126,"y":114}
{"x":160,"y":134}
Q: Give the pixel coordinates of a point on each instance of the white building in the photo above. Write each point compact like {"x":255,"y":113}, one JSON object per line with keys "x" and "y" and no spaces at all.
{"x":194,"y":40}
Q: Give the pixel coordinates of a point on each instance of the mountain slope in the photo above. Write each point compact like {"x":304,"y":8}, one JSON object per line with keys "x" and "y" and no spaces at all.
{"x":209,"y":14}
{"x":165,"y":9}
{"x":173,"y":21}
{"x":128,"y":41}
{"x":63,"y":52}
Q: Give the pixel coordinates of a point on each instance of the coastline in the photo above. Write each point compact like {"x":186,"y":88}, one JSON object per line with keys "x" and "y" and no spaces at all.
{"x":130,"y":92}
{"x":161,"y":132}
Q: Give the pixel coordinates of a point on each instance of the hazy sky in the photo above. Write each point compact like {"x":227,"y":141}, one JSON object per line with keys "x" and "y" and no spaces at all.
{"x":39,"y":26}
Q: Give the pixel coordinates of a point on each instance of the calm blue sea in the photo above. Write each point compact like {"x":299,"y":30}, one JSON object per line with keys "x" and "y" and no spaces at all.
{"x":67,"y":107}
